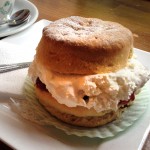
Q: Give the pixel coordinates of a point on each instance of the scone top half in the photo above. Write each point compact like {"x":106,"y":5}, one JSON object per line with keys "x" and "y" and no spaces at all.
{"x":77,"y":45}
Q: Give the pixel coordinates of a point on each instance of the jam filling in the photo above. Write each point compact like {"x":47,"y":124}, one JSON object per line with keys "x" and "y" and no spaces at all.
{"x":41,"y":85}
{"x":122,"y":103}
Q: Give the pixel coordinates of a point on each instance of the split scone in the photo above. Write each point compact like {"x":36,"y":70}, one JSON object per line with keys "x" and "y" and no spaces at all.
{"x":84,"y":70}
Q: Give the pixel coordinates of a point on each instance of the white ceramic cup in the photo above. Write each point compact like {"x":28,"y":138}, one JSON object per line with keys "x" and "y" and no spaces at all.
{"x":6,"y":8}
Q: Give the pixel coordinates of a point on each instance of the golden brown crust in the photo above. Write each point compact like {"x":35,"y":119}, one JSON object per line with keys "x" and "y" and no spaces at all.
{"x":78,"y":45}
{"x":79,"y":116}
{"x":83,"y":121}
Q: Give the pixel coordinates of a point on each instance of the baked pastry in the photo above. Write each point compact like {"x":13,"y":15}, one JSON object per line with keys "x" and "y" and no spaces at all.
{"x":84,"y":46}
{"x":84,"y":70}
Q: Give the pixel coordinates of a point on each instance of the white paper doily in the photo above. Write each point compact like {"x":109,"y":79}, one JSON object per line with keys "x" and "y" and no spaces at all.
{"x":31,"y":110}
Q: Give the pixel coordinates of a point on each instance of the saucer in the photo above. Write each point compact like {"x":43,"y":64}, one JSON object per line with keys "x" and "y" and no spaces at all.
{"x":5,"y":30}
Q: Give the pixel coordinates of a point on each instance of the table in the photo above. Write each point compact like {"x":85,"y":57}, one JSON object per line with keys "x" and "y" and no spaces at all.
{"x":135,"y":15}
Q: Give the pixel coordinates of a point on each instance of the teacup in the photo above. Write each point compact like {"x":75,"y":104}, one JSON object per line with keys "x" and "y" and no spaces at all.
{"x":6,"y":8}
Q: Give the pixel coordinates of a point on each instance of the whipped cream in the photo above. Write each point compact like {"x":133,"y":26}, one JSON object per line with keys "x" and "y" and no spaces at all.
{"x":104,"y":91}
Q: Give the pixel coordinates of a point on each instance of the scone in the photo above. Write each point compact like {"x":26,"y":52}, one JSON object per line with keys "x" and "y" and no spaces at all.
{"x":84,"y":70}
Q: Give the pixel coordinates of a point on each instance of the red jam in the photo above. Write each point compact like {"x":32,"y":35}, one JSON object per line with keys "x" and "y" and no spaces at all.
{"x":125,"y":102}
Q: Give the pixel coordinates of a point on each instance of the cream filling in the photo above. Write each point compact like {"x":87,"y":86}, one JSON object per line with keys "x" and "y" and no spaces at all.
{"x":104,"y":90}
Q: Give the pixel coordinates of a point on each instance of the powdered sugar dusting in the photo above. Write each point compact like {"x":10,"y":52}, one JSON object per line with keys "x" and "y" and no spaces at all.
{"x":77,"y":29}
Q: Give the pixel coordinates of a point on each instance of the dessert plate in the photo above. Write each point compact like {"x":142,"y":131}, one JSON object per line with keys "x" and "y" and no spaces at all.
{"x":5,"y":30}
{"x":23,"y":134}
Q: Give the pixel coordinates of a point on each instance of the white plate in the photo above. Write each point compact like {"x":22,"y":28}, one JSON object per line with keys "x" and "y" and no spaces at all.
{"x":22,"y":134}
{"x":5,"y":30}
